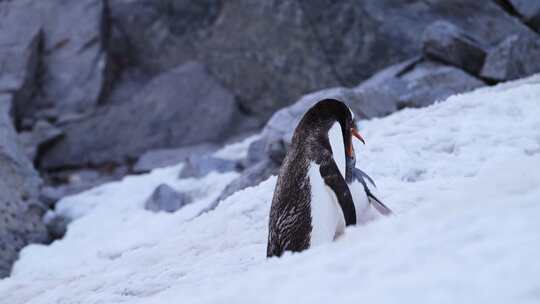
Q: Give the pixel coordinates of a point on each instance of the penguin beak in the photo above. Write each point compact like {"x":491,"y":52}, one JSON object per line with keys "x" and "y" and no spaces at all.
{"x":357,"y":135}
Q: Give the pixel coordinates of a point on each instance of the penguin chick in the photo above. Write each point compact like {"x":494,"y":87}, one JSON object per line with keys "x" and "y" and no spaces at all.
{"x":362,"y":189}
{"x":312,"y":203}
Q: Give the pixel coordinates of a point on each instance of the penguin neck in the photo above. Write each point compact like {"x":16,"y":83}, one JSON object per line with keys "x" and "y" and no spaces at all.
{"x":335,"y":137}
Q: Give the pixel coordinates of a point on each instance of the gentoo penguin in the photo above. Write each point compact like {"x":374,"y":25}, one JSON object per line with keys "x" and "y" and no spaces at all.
{"x":312,"y":203}
{"x":362,"y":189}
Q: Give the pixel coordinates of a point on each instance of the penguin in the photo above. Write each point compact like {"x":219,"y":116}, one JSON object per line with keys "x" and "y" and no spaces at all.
{"x":362,"y":189}
{"x":312,"y":203}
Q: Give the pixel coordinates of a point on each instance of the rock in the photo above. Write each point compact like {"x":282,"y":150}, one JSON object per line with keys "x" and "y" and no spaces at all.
{"x":184,"y":106}
{"x":39,"y":138}
{"x":529,"y":11}
{"x":20,"y":211}
{"x":166,"y":199}
{"x":516,"y":57}
{"x":51,"y":195}
{"x":445,"y":42}
{"x":313,"y":44}
{"x":429,"y":82}
{"x":56,"y":225}
{"x":75,"y":64}
{"x":19,"y":59}
{"x":198,"y":166}
{"x":160,"y":158}
{"x":250,"y":177}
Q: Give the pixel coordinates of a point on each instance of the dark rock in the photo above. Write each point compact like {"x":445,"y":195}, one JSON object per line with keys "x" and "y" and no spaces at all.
{"x":517,"y":56}
{"x":75,"y":64}
{"x":42,"y":135}
{"x":166,"y":199}
{"x":169,"y":157}
{"x":313,"y":44}
{"x":201,"y":165}
{"x":185,"y":106}
{"x":56,"y":225}
{"x":529,"y":11}
{"x":20,"y":212}
{"x":445,"y":42}
{"x":226,"y":36}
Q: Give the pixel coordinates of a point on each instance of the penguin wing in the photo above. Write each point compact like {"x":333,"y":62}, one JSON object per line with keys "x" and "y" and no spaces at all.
{"x":373,"y":200}
{"x":335,"y":181}
{"x":360,"y":175}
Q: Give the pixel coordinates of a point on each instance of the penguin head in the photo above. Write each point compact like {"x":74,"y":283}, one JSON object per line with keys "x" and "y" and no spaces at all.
{"x":323,"y":119}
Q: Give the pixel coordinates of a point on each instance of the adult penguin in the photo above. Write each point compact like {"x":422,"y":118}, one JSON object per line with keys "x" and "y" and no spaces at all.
{"x":312,"y":203}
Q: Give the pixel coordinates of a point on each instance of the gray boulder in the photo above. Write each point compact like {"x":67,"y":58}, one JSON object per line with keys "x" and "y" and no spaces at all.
{"x":529,"y":11}
{"x":184,"y":106}
{"x":198,"y":166}
{"x":160,"y":158}
{"x":74,"y":63}
{"x":20,"y":212}
{"x":165,"y":198}
{"x":516,"y":57}
{"x":445,"y":42}
{"x":429,"y":82}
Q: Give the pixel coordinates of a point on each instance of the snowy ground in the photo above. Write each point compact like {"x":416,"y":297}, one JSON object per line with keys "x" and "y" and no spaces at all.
{"x":463,"y":178}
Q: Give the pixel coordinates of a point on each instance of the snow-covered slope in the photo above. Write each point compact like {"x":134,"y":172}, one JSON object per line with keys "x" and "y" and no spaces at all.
{"x":463,"y":178}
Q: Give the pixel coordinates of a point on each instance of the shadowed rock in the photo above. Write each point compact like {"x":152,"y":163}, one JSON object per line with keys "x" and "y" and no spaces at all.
{"x":445,"y":42}
{"x":165,"y":198}
{"x":184,"y":106}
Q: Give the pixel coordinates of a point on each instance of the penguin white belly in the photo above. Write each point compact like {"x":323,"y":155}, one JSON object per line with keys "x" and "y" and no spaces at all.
{"x":327,"y":220}
{"x":364,"y":212}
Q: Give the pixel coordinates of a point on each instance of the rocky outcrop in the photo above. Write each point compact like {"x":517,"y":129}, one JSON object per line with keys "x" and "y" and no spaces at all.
{"x":20,"y":211}
{"x":312,"y":44}
{"x":185,"y":106}
{"x":74,"y":62}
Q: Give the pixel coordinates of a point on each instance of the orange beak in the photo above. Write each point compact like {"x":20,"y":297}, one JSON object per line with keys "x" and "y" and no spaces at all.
{"x":357,"y":135}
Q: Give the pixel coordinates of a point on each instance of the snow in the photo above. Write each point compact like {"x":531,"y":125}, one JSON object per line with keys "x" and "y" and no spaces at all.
{"x":462,"y":177}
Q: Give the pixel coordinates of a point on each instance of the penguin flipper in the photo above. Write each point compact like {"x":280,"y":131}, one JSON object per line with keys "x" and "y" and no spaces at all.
{"x":360,"y":175}
{"x":373,"y":200}
{"x":335,"y":181}
{"x":377,"y":204}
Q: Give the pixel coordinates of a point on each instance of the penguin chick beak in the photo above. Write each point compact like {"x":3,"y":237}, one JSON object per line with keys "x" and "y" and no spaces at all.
{"x":357,"y":135}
